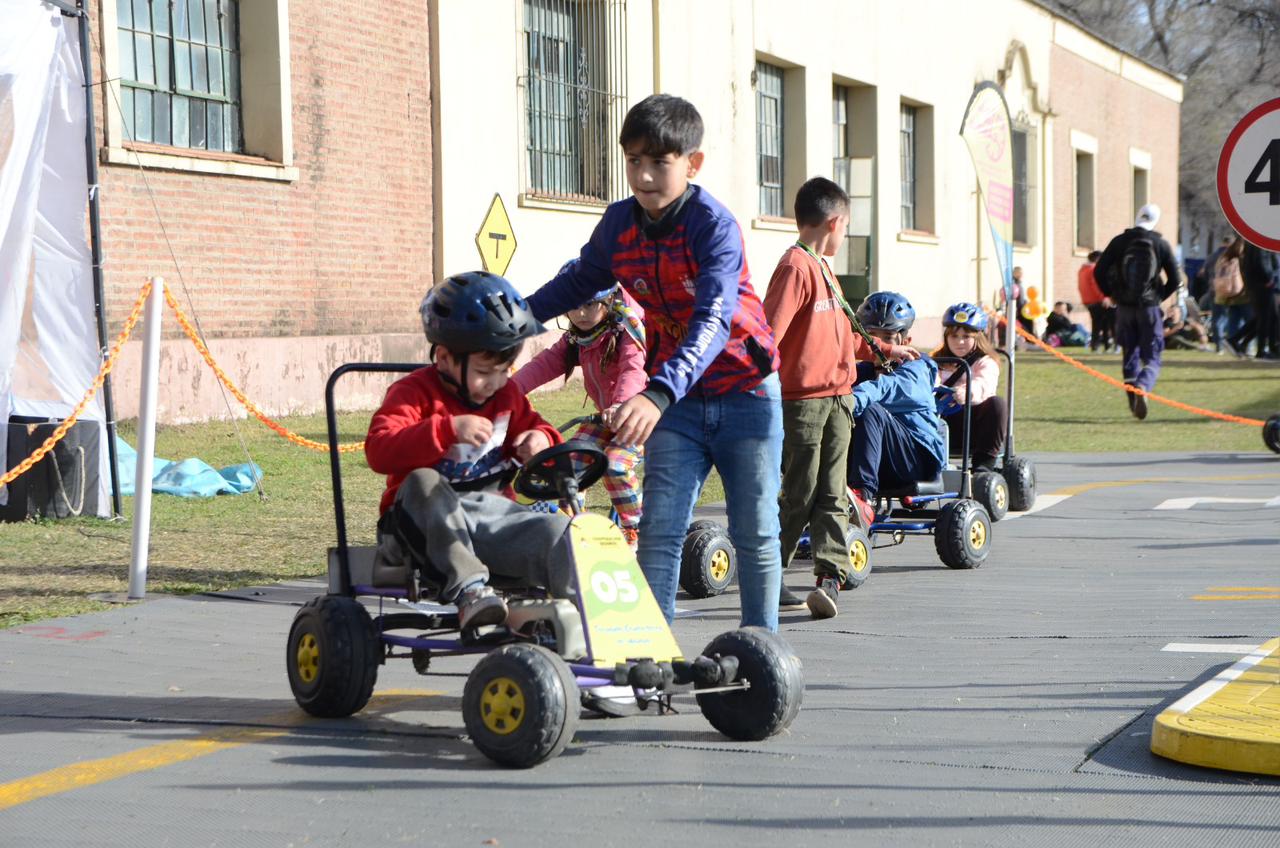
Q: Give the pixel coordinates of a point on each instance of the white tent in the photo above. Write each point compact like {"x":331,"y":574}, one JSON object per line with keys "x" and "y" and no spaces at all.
{"x":49,"y":349}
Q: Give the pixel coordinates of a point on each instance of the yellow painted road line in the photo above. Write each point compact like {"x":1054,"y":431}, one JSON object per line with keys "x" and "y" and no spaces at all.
{"x":1235,"y":597}
{"x":90,"y":772}
{"x":1232,"y":722}
{"x":1081,"y":488}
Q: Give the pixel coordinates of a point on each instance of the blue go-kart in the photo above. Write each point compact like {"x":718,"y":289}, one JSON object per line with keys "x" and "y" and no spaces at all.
{"x":948,"y":508}
{"x":522,"y":700}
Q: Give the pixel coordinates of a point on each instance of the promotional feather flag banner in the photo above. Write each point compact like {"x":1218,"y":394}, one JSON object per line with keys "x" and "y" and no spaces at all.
{"x":987,"y":134}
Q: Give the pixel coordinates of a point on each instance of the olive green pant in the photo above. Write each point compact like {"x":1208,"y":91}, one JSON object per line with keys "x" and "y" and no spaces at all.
{"x":815,"y":447}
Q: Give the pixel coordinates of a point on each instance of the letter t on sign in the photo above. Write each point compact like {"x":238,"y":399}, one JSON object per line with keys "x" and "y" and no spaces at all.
{"x":496,"y":241}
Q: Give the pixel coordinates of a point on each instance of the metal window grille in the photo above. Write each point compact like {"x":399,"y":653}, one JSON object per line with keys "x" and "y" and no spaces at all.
{"x":769,"y":137}
{"x":840,"y":136}
{"x":180,"y":72}
{"x":907,"y":157}
{"x":576,"y":98}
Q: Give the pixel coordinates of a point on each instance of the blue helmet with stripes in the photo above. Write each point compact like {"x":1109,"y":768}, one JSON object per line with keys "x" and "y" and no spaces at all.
{"x":968,"y":315}
{"x":887,"y":310}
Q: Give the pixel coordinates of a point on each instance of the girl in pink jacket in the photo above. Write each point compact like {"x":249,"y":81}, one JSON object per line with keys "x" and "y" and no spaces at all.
{"x":606,"y":338}
{"x":964,"y":337}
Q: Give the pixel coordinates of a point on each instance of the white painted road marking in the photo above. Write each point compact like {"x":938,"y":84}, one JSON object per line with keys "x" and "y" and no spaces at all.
{"x":1209,"y":648}
{"x":1042,"y":502}
{"x":1188,"y":503}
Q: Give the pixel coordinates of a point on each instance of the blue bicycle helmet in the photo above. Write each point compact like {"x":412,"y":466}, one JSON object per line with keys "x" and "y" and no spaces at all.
{"x":968,"y":315}
{"x":887,"y":311}
{"x":602,"y":296}
{"x":477,"y":311}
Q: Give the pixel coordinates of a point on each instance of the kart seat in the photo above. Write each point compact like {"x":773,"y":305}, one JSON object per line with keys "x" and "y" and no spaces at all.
{"x":922,"y":487}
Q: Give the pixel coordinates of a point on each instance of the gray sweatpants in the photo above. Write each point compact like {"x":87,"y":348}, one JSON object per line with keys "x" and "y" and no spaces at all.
{"x":455,"y":537}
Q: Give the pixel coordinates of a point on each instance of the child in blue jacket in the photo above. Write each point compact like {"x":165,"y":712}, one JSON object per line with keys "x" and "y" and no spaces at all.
{"x":896,"y":441}
{"x":713,"y":398}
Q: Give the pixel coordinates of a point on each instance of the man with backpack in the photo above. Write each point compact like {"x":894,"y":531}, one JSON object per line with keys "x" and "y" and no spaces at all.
{"x":1128,"y":272}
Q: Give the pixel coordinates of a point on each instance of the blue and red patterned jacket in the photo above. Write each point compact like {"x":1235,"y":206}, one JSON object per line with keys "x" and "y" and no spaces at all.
{"x":704,"y":325}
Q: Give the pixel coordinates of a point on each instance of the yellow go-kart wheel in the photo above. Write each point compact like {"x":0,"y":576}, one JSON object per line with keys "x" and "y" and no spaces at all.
{"x":992,"y":491}
{"x":859,"y":547}
{"x":962,"y":535}
{"x":708,"y":562}
{"x":332,"y":656}
{"x":521,"y":705}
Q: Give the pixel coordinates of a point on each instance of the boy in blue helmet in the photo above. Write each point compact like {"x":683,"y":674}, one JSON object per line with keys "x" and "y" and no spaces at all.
{"x":447,"y":437}
{"x":896,"y":440}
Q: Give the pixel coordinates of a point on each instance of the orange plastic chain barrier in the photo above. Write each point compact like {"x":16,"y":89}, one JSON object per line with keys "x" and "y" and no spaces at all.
{"x":1119,"y":384}
{"x":302,"y":441}
{"x":110,"y":362}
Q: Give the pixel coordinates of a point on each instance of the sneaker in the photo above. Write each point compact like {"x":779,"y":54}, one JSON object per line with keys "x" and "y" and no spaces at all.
{"x":822,"y":600}
{"x":478,"y":606}
{"x":1139,"y":405}
{"x":611,"y":701}
{"x":632,"y":535}
{"x":1130,"y":396}
{"x":788,"y":599}
{"x":863,"y":512}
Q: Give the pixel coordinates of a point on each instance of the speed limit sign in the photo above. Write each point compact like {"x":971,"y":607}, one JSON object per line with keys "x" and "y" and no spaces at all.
{"x":1249,"y":176}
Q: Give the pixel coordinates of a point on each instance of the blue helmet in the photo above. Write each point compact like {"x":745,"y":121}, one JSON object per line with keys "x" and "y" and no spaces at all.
{"x":602,"y":296}
{"x":968,"y":315}
{"x":886,"y":310}
{"x":477,"y":311}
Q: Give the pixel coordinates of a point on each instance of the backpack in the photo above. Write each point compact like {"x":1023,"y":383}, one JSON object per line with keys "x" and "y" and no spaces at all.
{"x":1227,"y":281}
{"x":1138,"y":268}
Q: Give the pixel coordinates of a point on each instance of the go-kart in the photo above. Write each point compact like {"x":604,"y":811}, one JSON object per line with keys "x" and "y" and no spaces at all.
{"x":521,"y":701}
{"x":951,"y":508}
{"x":1019,"y":473}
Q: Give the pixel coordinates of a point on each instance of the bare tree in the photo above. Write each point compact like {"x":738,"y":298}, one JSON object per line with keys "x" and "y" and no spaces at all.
{"x":1228,"y":51}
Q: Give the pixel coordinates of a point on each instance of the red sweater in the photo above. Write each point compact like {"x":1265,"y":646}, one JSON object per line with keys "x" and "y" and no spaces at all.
{"x":816,"y":342}
{"x":414,"y":429}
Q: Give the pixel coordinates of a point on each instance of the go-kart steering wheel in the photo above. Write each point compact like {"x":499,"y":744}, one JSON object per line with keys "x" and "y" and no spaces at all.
{"x":560,"y":471}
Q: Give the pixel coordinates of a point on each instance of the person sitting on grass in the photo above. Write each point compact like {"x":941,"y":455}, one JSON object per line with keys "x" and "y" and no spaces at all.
{"x":605,"y":337}
{"x":447,"y":437}
{"x":896,"y":441}
{"x":1061,"y":331}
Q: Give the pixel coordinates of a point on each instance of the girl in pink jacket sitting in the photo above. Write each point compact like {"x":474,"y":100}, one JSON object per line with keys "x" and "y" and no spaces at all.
{"x":964,"y":337}
{"x":606,"y":338}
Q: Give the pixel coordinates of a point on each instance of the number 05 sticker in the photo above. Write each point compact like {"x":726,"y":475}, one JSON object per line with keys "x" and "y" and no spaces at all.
{"x":1249,"y":176}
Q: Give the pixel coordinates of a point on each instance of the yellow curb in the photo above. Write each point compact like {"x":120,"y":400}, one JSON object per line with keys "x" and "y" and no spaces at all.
{"x":1232,"y":722}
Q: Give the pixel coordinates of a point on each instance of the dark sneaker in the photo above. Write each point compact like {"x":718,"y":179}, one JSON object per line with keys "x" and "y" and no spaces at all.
{"x":1139,"y":405}
{"x":1130,"y":396}
{"x":822,"y":600}
{"x":788,"y":599}
{"x":479,"y":606}
{"x":863,"y":512}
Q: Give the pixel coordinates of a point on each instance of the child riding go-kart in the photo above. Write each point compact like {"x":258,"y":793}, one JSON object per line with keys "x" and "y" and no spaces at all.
{"x":582,"y":615}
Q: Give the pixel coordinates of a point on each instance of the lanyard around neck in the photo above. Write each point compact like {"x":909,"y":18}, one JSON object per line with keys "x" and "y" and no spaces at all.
{"x":844,"y":305}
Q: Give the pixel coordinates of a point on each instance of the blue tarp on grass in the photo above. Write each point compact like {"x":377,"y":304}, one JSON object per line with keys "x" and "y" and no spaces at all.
{"x":189,"y":478}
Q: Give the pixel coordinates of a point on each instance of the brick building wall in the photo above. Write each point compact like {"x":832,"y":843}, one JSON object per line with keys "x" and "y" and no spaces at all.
{"x":1120,"y":114}
{"x":275,"y":270}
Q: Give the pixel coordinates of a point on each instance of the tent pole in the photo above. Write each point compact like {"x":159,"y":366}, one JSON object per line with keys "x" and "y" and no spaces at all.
{"x":95,"y":247}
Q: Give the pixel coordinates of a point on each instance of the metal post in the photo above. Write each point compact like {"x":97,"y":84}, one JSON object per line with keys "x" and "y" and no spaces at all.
{"x":1011,"y":337}
{"x":95,"y":248}
{"x":146,"y":443}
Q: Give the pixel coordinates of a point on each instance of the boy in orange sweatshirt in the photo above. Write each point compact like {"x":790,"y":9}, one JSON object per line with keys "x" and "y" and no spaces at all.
{"x":818,"y":347}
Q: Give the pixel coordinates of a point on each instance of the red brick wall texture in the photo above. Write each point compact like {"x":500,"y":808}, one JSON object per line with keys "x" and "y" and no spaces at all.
{"x":346,"y":249}
{"x":1120,"y":114}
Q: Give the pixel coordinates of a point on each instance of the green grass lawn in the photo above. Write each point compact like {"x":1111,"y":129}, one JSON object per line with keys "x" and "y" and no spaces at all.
{"x":51,"y":568}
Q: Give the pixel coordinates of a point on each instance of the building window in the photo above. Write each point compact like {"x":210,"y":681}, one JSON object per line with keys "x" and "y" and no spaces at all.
{"x":769,"y":138}
{"x":1021,"y":187}
{"x":840,"y":167}
{"x":1084,"y":199}
{"x":576,"y":98}
{"x":907,"y":161}
{"x":180,"y":73}
{"x":1141,"y":189}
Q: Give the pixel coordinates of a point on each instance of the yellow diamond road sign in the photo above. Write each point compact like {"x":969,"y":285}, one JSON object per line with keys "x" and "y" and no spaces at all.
{"x":496,"y":240}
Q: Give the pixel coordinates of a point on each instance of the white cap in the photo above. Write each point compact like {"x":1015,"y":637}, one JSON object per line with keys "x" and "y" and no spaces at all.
{"x":1148,"y":216}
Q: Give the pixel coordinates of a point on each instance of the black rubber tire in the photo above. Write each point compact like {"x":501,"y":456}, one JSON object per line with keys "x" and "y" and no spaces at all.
{"x":777,"y":686}
{"x":702,"y":524}
{"x":697,"y":562}
{"x":859,"y":546}
{"x":962,"y":535}
{"x":1020,"y":474}
{"x":332,"y":656}
{"x":1271,"y":433}
{"x":992,"y":491}
{"x":549,"y":717}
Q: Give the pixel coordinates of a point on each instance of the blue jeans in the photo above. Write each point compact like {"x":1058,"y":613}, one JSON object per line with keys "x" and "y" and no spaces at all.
{"x":1228,"y":320}
{"x":741,"y":435}
{"x":1140,"y":334}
